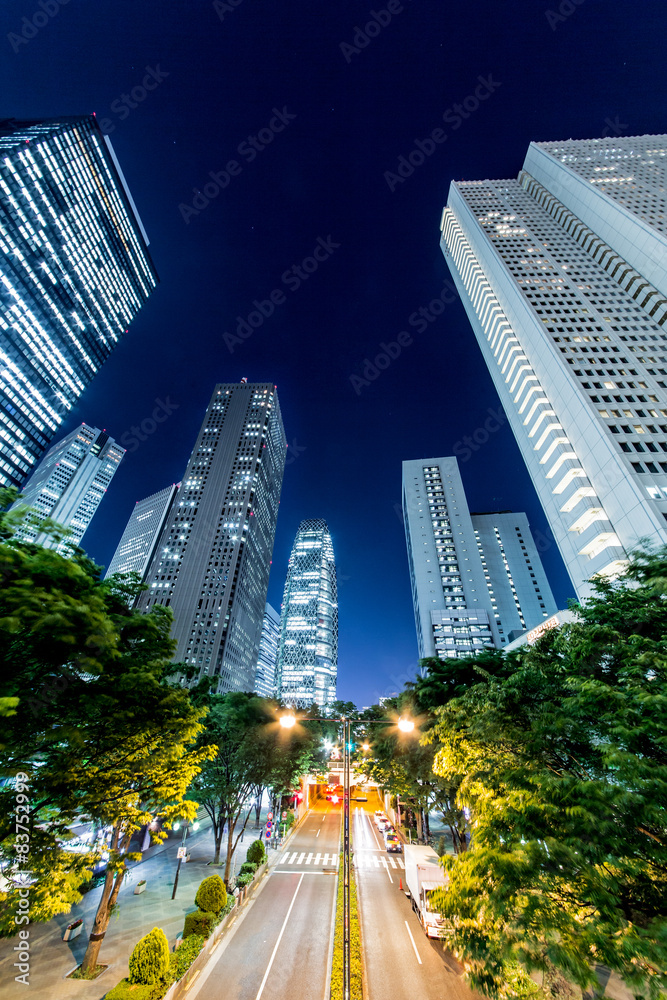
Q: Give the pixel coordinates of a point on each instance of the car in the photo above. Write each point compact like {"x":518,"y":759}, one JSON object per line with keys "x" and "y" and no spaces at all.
{"x":384,"y":824}
{"x":392,"y":843}
{"x":380,"y":819}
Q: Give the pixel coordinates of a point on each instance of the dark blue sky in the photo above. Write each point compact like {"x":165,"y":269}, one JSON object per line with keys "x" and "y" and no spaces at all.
{"x":220,"y":73}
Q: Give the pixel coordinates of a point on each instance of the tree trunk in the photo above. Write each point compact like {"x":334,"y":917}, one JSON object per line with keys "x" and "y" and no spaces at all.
{"x":218,"y":830}
{"x":109,"y":898}
{"x":230,"y":850}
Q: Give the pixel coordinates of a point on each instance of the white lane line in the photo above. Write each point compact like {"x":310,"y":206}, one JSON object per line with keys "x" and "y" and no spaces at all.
{"x":413,"y":942}
{"x":317,"y":859}
{"x":318,"y":832}
{"x":301,"y":857}
{"x":384,"y":861}
{"x":290,"y":871}
{"x":282,"y":931}
{"x":309,"y":857}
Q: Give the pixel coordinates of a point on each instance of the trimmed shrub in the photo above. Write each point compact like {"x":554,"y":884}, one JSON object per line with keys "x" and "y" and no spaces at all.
{"x":256,"y":853}
{"x":199,"y":922}
{"x":248,"y":866}
{"x":211,"y":895}
{"x":127,"y":991}
{"x":245,"y":879}
{"x":149,"y":962}
{"x":442,"y":847}
{"x":181,"y":959}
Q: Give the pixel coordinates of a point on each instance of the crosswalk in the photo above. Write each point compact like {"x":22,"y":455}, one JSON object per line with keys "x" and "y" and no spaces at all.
{"x":370,"y":860}
{"x":362,"y":859}
{"x":305,"y":858}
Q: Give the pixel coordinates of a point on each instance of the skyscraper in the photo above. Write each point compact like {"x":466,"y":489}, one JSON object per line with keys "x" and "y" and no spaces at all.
{"x":563,"y":274}
{"x":212,"y":561}
{"x":475,"y":578}
{"x":68,"y":485}
{"x":308,"y":649}
{"x":137,"y":546}
{"x":75,"y":271}
{"x":265,"y":677}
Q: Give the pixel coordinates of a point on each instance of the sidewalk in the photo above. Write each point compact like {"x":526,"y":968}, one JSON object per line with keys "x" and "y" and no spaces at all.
{"x":51,"y":958}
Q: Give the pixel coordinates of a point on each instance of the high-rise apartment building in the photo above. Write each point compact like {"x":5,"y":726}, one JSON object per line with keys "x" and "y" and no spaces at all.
{"x":267,"y":658}
{"x":75,"y":271}
{"x":139,"y":541}
{"x":212,"y":561}
{"x":308,"y":649}
{"x":563,"y":274}
{"x":68,"y":485}
{"x":475,"y":579}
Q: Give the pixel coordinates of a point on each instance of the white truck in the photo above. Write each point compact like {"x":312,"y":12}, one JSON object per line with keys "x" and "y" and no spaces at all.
{"x":423,"y":874}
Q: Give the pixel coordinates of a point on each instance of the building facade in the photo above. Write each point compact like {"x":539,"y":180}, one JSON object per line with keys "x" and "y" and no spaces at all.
{"x":75,"y":271}
{"x":476,"y":579}
{"x":138,"y":543}
{"x":212,"y":562}
{"x":265,"y":677}
{"x":563,"y":274}
{"x":68,"y":485}
{"x":308,"y":649}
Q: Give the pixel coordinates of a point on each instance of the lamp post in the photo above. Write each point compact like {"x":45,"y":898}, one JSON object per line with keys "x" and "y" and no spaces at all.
{"x":181,"y":853}
{"x":406,"y":726}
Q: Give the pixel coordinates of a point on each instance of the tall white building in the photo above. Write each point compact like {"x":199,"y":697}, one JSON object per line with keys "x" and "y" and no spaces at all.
{"x":563,"y":274}
{"x":265,"y":677}
{"x":308,"y":649}
{"x":476,"y":579}
{"x":68,"y":485}
{"x":212,"y":562}
{"x":142,"y":533}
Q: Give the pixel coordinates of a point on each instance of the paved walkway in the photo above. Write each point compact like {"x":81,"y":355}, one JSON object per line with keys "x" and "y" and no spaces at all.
{"x":51,"y":958}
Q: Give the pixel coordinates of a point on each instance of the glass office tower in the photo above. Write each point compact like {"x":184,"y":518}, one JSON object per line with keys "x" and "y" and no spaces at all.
{"x":75,"y":270}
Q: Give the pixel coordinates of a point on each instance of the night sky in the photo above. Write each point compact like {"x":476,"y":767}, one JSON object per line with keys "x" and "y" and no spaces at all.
{"x":331,"y":110}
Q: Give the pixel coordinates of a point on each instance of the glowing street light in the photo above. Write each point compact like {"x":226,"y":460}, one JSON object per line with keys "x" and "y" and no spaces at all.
{"x":406,"y":725}
{"x":288,"y":721}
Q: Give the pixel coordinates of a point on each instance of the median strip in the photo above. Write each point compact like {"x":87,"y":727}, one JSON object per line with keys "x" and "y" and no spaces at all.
{"x":337,"y":984}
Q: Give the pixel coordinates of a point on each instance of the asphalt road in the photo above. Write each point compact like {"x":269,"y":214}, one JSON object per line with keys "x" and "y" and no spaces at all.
{"x":281,"y":944}
{"x":401,"y":961}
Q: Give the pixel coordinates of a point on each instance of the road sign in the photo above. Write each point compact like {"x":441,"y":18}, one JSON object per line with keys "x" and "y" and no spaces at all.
{"x":284,"y":815}
{"x":182,"y":851}
{"x":270,"y":816}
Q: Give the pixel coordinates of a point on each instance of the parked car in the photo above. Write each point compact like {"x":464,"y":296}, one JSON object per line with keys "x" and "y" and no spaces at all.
{"x":393,"y":844}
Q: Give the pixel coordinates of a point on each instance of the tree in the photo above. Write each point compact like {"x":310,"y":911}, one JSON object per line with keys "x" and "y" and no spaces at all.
{"x":253,"y":751}
{"x":149,"y":961}
{"x":99,"y":732}
{"x":564,"y":762}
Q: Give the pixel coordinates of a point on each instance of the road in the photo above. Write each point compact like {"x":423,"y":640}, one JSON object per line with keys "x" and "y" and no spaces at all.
{"x":401,"y":961}
{"x":281,"y":944}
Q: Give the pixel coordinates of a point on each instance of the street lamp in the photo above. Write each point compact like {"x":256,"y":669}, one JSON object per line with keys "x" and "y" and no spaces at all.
{"x":182,"y":851}
{"x":287,"y":721}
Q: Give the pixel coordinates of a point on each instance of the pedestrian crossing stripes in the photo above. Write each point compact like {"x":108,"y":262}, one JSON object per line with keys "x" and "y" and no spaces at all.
{"x":365,"y":860}
{"x":304,"y":858}
{"x":373,"y":861}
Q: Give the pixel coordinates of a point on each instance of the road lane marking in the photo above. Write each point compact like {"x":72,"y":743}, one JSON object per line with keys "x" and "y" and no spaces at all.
{"x":309,"y":857}
{"x":301,"y":857}
{"x":318,"y":832}
{"x":282,"y":931}
{"x":291,"y":860}
{"x":384,"y":861}
{"x":317,"y":858}
{"x":413,"y":942}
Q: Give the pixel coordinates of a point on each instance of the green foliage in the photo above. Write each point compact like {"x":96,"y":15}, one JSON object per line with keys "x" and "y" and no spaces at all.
{"x":199,"y":922}
{"x":356,"y":973}
{"x":181,"y":959}
{"x":442,"y":847}
{"x":256,"y":853}
{"x":149,"y":961}
{"x":518,"y":985}
{"x":211,"y":895}
{"x":125,"y":990}
{"x":244,"y":879}
{"x":248,"y":867}
{"x":561,"y":758}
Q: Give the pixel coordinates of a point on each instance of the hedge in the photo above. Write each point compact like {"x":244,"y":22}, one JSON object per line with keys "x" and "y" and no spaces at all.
{"x":337,"y":985}
{"x":256,"y":853}
{"x":199,"y":922}
{"x":248,"y":866}
{"x":129,"y":991}
{"x":244,"y":879}
{"x":181,"y":959}
{"x":211,"y":895}
{"x":149,"y":961}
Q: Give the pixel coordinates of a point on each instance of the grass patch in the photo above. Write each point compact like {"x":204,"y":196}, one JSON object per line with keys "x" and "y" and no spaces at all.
{"x":93,"y":974}
{"x":337,"y":985}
